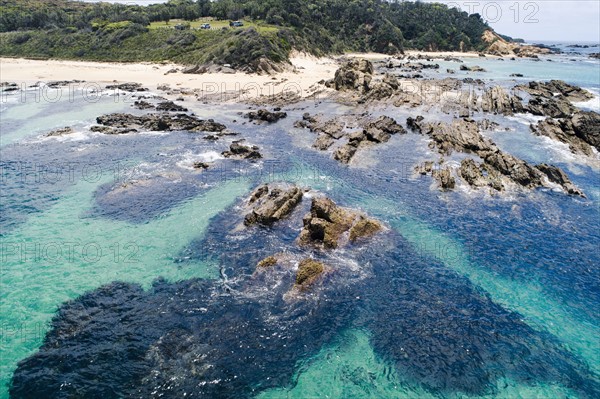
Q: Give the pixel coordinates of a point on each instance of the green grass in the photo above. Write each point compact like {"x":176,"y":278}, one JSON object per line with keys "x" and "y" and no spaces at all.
{"x":260,"y":26}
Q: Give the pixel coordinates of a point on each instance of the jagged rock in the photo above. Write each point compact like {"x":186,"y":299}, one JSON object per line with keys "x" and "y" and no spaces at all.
{"x":498,"y":101}
{"x":327,"y":223}
{"x":414,"y":124}
{"x":364,"y":228}
{"x":354,"y":75}
{"x":586,"y":125}
{"x":462,"y":135}
{"x":131,"y":87}
{"x":552,"y":88}
{"x":382,"y":90}
{"x":308,"y":271}
{"x":237,"y":150}
{"x":581,"y":132}
{"x":345,"y":153}
{"x":141,"y":104}
{"x":595,"y":55}
{"x":474,"y":68}
{"x":487,"y":124}
{"x":201,"y":165}
{"x":269,"y":261}
{"x":556,"y":175}
{"x":470,"y":171}
{"x":266,"y":116}
{"x":160,"y":122}
{"x":60,"y":83}
{"x":424,"y":168}
{"x":382,"y":128}
{"x":60,"y":132}
{"x":445,"y":178}
{"x":271,"y":203}
{"x":170,"y":106}
{"x":316,"y":124}
{"x":8,"y":87}
{"x":557,"y":107}
{"x":323,"y":142}
{"x":516,"y":169}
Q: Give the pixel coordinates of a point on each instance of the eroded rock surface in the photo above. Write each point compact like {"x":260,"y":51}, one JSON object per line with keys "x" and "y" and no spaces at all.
{"x":240,"y":151}
{"x":498,"y":168}
{"x":265,"y":115}
{"x":272,"y":202}
{"x":327,"y":224}
{"x":126,"y":123}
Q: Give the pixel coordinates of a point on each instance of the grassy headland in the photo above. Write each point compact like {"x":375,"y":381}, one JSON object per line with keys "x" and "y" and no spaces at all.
{"x":113,"y":32}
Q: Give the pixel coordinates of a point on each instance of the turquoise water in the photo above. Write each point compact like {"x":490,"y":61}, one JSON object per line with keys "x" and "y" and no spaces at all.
{"x":465,"y":295}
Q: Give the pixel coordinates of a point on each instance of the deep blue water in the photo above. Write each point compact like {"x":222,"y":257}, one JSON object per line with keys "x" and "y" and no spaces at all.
{"x":464,"y":294}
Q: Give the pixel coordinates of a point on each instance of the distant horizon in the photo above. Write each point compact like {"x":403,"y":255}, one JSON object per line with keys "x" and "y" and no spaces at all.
{"x":579,"y":16}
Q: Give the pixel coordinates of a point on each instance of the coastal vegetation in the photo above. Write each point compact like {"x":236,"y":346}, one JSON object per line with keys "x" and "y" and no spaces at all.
{"x":170,"y":31}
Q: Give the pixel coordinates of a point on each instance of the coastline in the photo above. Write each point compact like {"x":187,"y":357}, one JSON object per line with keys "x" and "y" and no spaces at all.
{"x":307,"y":70}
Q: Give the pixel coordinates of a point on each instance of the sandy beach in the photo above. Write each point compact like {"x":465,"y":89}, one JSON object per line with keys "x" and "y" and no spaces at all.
{"x":306,"y":71}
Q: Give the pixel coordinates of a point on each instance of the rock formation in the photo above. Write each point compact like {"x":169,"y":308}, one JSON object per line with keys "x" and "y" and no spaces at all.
{"x":240,"y":151}
{"x":271,"y":202}
{"x":125,"y":123}
{"x":327,"y":223}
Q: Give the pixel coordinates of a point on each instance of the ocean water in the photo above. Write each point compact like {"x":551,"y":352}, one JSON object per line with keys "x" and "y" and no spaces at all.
{"x":129,"y":269}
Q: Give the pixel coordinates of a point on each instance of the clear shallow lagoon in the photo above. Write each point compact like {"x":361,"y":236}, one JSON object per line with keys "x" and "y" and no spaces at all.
{"x":491,"y":297}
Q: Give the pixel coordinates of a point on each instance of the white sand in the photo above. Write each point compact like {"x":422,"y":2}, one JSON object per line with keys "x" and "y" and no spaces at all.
{"x":308,"y":71}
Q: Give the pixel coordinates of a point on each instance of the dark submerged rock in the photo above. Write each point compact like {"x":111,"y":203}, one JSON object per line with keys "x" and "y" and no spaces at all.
{"x":60,"y":132}
{"x":237,"y":150}
{"x":308,"y":271}
{"x":130,"y":87}
{"x":266,"y":115}
{"x":160,"y":122}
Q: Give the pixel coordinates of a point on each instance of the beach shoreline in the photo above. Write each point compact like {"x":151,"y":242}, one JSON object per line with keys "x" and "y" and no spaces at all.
{"x":305,"y":72}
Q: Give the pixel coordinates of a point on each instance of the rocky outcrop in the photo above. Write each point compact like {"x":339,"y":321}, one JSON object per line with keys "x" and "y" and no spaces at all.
{"x":595,"y":55}
{"x":327,"y":223}
{"x":317,"y":124}
{"x":143,"y":105}
{"x":269,"y":261}
{"x":354,"y":75}
{"x":121,"y":123}
{"x":581,"y":131}
{"x":474,"y":68}
{"x":61,"y":83}
{"x":60,"y":132}
{"x":264,"y":115}
{"x":445,"y":179}
{"x":498,"y":168}
{"x":373,"y":131}
{"x":130,"y":87}
{"x":498,"y":101}
{"x":381,"y":129}
{"x":499,"y":46}
{"x":308,"y":271}
{"x":272,"y":202}
{"x":556,"y":175}
{"x":7,"y":87}
{"x":240,"y":151}
{"x":554,"y":98}
{"x":170,"y":106}
{"x":555,"y":88}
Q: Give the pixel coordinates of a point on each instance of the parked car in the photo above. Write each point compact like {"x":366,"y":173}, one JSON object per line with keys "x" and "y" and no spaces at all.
{"x":236,"y":23}
{"x":205,"y":26}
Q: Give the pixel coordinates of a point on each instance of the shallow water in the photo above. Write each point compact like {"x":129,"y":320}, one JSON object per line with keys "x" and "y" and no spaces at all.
{"x":465,"y":294}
